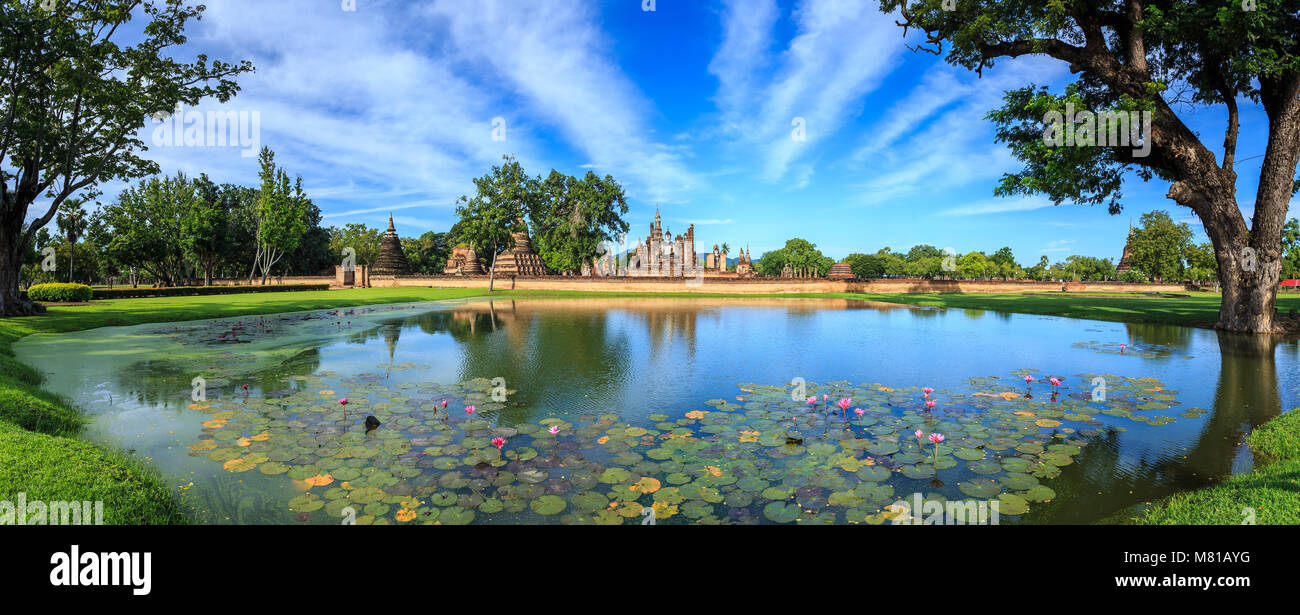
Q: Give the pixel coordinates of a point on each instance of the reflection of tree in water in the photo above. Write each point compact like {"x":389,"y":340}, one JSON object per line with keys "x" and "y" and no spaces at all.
{"x":542,"y":354}
{"x":1246,"y":397}
{"x":222,"y":499}
{"x":159,"y":382}
{"x":1167,"y":336}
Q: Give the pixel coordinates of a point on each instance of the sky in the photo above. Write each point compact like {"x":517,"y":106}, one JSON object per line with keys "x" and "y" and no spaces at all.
{"x":394,"y":106}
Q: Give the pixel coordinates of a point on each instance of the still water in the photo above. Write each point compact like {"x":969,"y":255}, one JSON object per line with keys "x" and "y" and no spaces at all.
{"x":694,"y":408}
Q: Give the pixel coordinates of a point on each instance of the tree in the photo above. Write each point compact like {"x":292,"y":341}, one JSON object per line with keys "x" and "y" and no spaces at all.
{"x":281,"y":215}
{"x":496,"y":210}
{"x":1201,"y":266}
{"x":1144,"y":56}
{"x":72,"y":223}
{"x":1158,"y":244}
{"x":572,"y":218}
{"x":427,"y":253}
{"x":361,"y":238}
{"x":1291,"y":250}
{"x":865,"y":265}
{"x":973,"y":265}
{"x":313,"y":254}
{"x":203,"y":229}
{"x":146,"y":223}
{"x":72,"y":100}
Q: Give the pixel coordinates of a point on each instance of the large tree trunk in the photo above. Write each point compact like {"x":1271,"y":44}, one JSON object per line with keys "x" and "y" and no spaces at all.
{"x":11,"y":262}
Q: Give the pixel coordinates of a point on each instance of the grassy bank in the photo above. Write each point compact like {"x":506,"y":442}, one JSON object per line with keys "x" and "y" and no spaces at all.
{"x":1272,"y":489}
{"x":41,"y":454}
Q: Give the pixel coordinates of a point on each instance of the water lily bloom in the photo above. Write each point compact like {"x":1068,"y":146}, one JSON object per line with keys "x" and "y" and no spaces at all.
{"x":920,"y":435}
{"x":859,"y":411}
{"x":1056,"y":382}
{"x":469,"y":409}
{"x":936,"y":437}
{"x":812,"y":400}
{"x":444,"y":403}
{"x":498,"y":442}
{"x":825,"y":397}
{"x":844,"y":403}
{"x":927,"y":391}
{"x":555,"y":429}
{"x":1028,"y":379}
{"x":343,"y":401}
{"x":929,"y":404}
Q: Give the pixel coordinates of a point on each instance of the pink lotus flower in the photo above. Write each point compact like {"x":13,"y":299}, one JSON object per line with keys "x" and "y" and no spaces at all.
{"x":936,"y":437}
{"x":469,"y":409}
{"x":555,"y":429}
{"x":812,"y":400}
{"x":927,"y":391}
{"x":343,"y":401}
{"x":825,"y":397}
{"x":929,"y":404}
{"x":1122,"y":347}
{"x":498,"y":442}
{"x":920,"y":435}
{"x":245,"y":387}
{"x":444,"y":403}
{"x":844,"y":403}
{"x":859,"y":411}
{"x":1029,"y":379}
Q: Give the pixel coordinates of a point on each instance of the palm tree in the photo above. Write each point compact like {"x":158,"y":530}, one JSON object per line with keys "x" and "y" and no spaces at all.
{"x":72,"y":223}
{"x":724,"y":249}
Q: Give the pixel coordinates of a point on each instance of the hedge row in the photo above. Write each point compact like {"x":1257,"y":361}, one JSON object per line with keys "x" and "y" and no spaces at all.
{"x":188,"y":291}
{"x":59,"y":293}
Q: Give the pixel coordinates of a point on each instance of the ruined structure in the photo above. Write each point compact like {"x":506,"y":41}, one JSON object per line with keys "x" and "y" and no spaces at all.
{"x":463,"y":261}
{"x":840,"y":271}
{"x":1125,"y":259}
{"x":520,"y":259}
{"x":391,"y":259}
{"x":662,"y":255}
{"x":744,"y":264}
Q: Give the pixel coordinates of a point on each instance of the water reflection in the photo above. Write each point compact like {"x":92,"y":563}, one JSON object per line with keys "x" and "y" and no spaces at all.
{"x":636,"y":357}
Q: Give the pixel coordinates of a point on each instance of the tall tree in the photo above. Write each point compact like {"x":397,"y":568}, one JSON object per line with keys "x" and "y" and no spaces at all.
{"x":72,"y":224}
{"x":146,"y":225}
{"x":203,"y":227}
{"x":1148,"y":56}
{"x":73,"y":98}
{"x":1158,"y":245}
{"x":501,"y":198}
{"x":361,"y":238}
{"x":281,"y":215}
{"x":573,"y":217}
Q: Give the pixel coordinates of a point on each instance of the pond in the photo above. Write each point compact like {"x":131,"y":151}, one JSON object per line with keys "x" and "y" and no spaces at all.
{"x":668,"y":410}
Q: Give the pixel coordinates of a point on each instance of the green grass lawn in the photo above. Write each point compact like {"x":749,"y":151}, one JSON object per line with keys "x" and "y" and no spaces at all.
{"x":42,"y":455}
{"x":1272,"y":489}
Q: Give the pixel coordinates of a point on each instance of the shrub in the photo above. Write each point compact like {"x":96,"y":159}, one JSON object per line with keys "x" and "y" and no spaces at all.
{"x":59,"y":293}
{"x":191,"y":291}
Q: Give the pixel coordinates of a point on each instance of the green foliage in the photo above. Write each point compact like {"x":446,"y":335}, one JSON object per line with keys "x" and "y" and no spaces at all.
{"x":800,"y":254}
{"x":281,"y":214}
{"x":428,"y":253}
{"x":1158,"y":245}
{"x":22,"y":408}
{"x":497,"y":208}
{"x":865,"y":265}
{"x":60,"y":293}
{"x":146,"y":226}
{"x":194,"y":291}
{"x":359,"y":237}
{"x":78,"y":87}
{"x":574,"y":217}
{"x":1291,"y":250}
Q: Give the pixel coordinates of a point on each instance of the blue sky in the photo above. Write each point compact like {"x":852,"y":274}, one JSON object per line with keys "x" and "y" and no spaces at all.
{"x":390,"y":108}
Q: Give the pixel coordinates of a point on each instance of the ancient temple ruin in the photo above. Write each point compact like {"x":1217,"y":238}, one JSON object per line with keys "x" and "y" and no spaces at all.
{"x":391,"y":259}
{"x":520,"y":259}
{"x":840,"y":271}
{"x":744,"y":264}
{"x":662,"y":255}
{"x":1125,"y":259}
{"x":463,"y":261}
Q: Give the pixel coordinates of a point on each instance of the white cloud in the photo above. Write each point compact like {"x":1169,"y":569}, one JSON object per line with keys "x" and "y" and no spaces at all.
{"x":997,"y":206}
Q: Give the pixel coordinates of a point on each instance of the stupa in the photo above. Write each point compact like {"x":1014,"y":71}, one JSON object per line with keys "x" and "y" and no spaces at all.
{"x":391,"y":259}
{"x":463,"y":261}
{"x":520,"y":260}
{"x":1125,"y":259}
{"x":840,"y":271}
